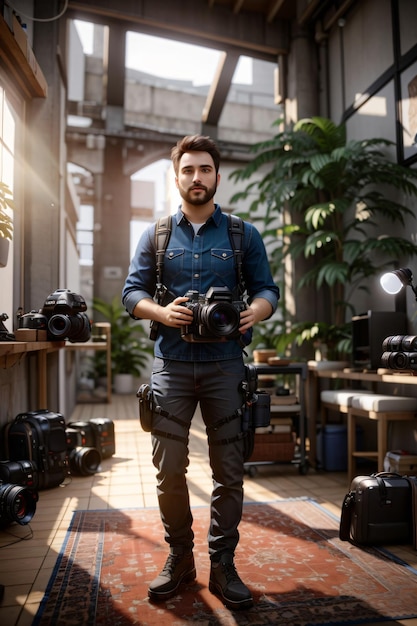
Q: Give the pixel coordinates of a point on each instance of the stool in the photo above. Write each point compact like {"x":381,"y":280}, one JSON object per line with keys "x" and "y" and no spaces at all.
{"x":337,"y":400}
{"x":383,"y":409}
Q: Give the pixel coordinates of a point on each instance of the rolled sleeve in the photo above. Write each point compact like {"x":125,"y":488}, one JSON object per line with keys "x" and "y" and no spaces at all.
{"x":141,"y":278}
{"x":257,"y":272}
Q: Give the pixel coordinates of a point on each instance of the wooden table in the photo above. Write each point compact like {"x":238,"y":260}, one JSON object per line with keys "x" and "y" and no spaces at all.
{"x":11,"y":352}
{"x":391,"y":377}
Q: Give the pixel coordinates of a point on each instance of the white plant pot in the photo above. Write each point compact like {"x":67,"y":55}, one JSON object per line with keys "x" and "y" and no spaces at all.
{"x":123,"y":383}
{"x":4,"y":251}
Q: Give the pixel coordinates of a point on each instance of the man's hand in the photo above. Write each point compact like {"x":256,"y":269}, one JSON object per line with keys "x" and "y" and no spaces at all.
{"x":259,"y":310}
{"x":175,"y":314}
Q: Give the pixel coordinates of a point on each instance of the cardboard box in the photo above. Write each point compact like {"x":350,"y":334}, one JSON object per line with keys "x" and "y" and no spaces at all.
{"x":401,"y":462}
{"x":23,"y":43}
{"x":20,"y":36}
{"x":30,"y":334}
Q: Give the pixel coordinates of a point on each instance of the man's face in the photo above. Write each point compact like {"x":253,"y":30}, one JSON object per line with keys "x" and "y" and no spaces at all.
{"x":197,"y":179}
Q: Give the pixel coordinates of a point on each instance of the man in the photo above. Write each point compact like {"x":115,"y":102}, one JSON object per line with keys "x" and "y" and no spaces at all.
{"x":190,"y":369}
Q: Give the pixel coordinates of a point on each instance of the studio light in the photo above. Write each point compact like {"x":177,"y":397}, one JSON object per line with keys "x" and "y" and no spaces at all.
{"x":392,"y":282}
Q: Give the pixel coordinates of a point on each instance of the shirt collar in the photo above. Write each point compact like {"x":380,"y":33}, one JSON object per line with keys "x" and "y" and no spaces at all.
{"x":216,"y":216}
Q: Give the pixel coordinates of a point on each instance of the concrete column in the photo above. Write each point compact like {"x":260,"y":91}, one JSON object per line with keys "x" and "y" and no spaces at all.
{"x":112,"y":235}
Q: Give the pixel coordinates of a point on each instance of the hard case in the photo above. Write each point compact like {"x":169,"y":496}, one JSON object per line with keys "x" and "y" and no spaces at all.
{"x":378,"y":510}
{"x":39,"y":436}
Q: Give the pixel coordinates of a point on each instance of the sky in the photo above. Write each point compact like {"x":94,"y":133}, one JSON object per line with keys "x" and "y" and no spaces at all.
{"x":167,"y":58}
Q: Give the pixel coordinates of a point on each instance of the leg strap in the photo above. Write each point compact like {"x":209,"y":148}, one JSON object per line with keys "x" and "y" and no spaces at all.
{"x":172,"y":418}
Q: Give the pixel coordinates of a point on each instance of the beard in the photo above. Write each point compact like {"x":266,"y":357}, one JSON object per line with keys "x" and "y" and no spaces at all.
{"x":203,"y":196}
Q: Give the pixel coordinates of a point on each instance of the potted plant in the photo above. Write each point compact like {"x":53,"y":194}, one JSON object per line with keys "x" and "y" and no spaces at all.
{"x":6,"y":223}
{"x":130,"y":346}
{"x":322,"y":202}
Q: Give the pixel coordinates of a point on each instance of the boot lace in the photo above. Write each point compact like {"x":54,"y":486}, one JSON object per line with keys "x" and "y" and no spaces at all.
{"x":170,"y":564}
{"x":230,"y":573}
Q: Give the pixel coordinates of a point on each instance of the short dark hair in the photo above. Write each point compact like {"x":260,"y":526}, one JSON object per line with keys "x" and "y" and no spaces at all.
{"x":195,"y":143}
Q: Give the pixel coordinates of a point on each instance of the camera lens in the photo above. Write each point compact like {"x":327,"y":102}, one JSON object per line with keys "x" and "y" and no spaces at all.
{"x":221,"y":318}
{"x":17,"y":504}
{"x":76,"y":327}
{"x":59,"y":326}
{"x":84,"y":461}
{"x":409,"y":343}
{"x":399,"y":360}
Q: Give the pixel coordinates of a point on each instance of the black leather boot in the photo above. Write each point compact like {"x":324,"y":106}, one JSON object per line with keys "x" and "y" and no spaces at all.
{"x":225,"y":583}
{"x":179,"y":568}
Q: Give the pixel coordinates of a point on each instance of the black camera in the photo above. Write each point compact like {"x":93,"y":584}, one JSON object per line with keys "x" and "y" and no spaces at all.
{"x":17,"y":504}
{"x":33,"y":321}
{"x":83,"y":460}
{"x":216,"y":316}
{"x":22,"y":473}
{"x":64,"y":311}
{"x":399,"y":352}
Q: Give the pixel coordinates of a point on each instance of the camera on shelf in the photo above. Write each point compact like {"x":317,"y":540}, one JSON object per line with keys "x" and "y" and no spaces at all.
{"x":18,"y":495}
{"x":399,"y":352}
{"x":61,"y":317}
{"x":83,"y":460}
{"x":216,"y":316}
{"x":64,"y":311}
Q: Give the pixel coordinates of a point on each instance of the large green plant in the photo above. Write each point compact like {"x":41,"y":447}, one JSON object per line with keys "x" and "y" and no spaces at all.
{"x":323,"y":197}
{"x":130,"y":345}
{"x":6,"y":202}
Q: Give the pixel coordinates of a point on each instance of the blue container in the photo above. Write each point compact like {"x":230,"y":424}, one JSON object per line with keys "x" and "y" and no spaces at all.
{"x":332,"y":446}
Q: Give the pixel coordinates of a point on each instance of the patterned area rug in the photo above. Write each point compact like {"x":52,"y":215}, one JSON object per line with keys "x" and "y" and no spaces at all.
{"x":289,"y":555}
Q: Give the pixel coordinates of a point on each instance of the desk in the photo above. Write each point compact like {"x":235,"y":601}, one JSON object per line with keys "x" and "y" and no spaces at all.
{"x":12,"y":351}
{"x":301,"y":370}
{"x":391,"y":377}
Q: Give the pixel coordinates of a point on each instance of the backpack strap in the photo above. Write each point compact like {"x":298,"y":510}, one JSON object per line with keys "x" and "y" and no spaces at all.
{"x":162,"y":234}
{"x":236,"y":233}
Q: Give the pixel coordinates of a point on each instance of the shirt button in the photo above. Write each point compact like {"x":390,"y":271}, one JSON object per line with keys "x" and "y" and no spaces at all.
{"x":196,"y":256}
{"x":171,"y":254}
{"x":224,"y":255}
{"x":196,"y":275}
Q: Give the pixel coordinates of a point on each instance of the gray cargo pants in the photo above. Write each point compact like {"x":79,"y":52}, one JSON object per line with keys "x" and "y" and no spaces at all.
{"x":177,"y":388}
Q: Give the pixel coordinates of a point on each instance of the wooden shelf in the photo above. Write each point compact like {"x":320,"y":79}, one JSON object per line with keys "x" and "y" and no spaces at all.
{"x":19,"y":61}
{"x":12,"y":351}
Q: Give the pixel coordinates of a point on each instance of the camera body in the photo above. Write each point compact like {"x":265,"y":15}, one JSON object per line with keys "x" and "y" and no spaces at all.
{"x":33,"y":321}
{"x":66,"y":319}
{"x":216,"y":316}
{"x":83,"y":459}
{"x":399,"y":352}
{"x":23,"y":473}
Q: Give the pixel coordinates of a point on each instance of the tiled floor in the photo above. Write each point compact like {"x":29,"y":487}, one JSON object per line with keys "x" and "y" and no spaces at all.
{"x":128,"y":480}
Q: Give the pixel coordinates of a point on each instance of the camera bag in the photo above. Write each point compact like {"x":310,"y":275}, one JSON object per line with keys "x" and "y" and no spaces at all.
{"x":39,"y":436}
{"x":380,"y":509}
{"x":99,"y":434}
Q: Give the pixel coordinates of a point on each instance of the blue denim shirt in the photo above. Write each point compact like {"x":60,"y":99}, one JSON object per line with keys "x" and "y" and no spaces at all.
{"x":198,"y":262}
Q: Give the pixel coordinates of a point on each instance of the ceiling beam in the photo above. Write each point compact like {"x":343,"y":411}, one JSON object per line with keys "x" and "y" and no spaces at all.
{"x":249,"y":33}
{"x":273,"y":10}
{"x":237,"y":6}
{"x":219,"y":88}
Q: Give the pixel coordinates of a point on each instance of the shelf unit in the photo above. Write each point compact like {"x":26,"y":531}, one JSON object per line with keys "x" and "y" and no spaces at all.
{"x":102,"y":330}
{"x":270,"y":448}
